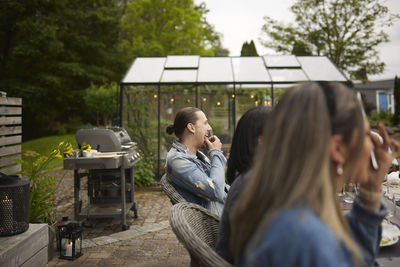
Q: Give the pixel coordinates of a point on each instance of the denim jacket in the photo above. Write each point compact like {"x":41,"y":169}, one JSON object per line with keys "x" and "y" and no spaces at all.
{"x":196,"y":178}
{"x":297,"y":237}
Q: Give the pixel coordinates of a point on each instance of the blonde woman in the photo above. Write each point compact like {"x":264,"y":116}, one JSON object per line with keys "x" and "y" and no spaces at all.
{"x":288,"y":214}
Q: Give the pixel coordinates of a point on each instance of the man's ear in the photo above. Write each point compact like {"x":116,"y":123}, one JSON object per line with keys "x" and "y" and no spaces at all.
{"x":190,"y":127}
{"x":338,"y":150}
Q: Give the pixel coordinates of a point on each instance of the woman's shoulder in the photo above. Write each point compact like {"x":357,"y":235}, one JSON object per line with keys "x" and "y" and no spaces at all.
{"x":295,"y":236}
{"x":300,"y":222}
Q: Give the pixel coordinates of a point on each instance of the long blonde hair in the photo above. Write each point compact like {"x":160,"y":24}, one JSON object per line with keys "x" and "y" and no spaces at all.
{"x":293,"y":163}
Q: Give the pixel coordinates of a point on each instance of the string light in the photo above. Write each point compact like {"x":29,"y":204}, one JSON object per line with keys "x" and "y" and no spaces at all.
{"x":233,"y":95}
{"x":172,"y":100}
{"x":251,"y":96}
{"x":204,"y":99}
{"x":155,"y":95}
{"x":218,"y":103}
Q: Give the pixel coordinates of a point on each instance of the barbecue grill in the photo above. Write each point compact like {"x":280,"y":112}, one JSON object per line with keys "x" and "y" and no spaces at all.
{"x":109,"y":193}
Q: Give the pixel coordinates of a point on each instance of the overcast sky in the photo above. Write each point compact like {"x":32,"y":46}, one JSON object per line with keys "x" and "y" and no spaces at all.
{"x":241,"y":20}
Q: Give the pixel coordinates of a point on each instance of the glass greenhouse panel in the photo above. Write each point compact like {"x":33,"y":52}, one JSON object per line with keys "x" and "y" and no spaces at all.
{"x":287,"y":75}
{"x":182,"y":62}
{"x":249,"y":69}
{"x":216,"y":102}
{"x":173,"y":98}
{"x":279,"y":61}
{"x":215,"y":69}
{"x":145,"y":70}
{"x":140,"y":115}
{"x":321,"y":69}
{"x":179,"y":76}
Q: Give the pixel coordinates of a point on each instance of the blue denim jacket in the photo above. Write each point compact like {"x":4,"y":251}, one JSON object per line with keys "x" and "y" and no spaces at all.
{"x":297,"y":237}
{"x":196,"y":178}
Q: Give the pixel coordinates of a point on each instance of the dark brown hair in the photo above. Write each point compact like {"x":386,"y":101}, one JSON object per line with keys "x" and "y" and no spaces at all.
{"x":182,"y":118}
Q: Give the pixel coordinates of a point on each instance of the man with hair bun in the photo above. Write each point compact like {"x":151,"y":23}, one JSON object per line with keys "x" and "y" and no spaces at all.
{"x":197,"y":178}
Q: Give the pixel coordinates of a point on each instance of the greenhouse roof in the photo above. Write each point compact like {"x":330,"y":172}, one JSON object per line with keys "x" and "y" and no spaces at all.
{"x":275,"y":69}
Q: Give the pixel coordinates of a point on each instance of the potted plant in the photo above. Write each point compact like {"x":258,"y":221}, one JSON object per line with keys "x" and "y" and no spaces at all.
{"x":43,"y":187}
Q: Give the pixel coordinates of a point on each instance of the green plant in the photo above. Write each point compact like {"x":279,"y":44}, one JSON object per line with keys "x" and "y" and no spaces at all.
{"x":144,"y":175}
{"x":383,"y":116}
{"x":42,"y":184}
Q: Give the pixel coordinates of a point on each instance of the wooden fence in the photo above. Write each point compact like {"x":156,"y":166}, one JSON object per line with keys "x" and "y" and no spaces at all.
{"x":10,"y":134}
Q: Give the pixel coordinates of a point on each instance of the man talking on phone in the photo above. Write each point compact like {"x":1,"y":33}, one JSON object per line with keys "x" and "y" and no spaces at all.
{"x":197,"y":178}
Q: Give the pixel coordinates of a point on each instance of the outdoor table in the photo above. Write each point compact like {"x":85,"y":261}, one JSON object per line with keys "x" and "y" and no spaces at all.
{"x":390,"y":255}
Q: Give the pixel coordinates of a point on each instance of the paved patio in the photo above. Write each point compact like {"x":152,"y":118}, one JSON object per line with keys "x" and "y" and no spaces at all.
{"x":149,"y":241}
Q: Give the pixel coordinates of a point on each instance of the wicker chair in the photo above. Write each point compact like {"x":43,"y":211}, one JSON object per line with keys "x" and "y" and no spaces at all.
{"x":197,"y":229}
{"x":170,"y":191}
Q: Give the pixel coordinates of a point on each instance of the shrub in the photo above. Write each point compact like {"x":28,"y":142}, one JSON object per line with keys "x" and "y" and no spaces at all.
{"x":383,"y":116}
{"x":42,"y":185}
{"x":144,"y":175}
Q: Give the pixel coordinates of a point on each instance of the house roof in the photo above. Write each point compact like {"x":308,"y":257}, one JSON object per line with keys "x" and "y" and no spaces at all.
{"x":376,"y":85}
{"x":276,"y":69}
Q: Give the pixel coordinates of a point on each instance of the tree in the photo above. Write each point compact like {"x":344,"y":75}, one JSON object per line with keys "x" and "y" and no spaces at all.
{"x":51,"y":51}
{"x":396,"y":92}
{"x":346,"y":31}
{"x":101,"y":102}
{"x":249,"y":50}
{"x":167,"y":27}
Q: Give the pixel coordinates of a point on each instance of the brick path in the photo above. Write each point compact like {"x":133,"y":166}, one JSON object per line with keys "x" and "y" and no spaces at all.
{"x":149,"y":241}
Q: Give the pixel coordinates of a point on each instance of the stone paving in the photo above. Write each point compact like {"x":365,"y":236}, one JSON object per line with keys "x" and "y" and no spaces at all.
{"x":149,"y":241}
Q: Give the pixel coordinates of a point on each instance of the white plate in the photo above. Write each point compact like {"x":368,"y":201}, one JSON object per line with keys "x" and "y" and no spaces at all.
{"x":385,"y":242}
{"x":390,"y":234}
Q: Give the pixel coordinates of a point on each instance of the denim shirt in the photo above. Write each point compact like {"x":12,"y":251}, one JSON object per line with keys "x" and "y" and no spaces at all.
{"x":196,"y":178}
{"x":297,"y":237}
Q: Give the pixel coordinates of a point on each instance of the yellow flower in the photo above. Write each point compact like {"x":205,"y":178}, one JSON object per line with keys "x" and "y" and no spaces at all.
{"x":61,"y":143}
{"x":57,"y":154}
{"x":86,"y":147}
{"x":70,"y":151}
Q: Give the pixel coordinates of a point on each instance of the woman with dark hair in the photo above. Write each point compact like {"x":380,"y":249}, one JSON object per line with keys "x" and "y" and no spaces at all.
{"x":196,"y":178}
{"x":288,"y":214}
{"x":245,"y":141}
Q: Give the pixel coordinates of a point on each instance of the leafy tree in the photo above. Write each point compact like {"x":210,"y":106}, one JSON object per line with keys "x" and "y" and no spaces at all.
{"x":167,"y":27}
{"x":346,"y":31}
{"x":101,"y":102}
{"x":249,"y":49}
{"x":396,"y":116}
{"x":52,"y":51}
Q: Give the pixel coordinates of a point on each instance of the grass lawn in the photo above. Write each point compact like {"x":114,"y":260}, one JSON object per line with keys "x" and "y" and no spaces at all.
{"x":46,"y":145}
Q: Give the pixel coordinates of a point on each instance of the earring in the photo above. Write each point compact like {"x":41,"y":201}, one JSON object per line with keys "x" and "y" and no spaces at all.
{"x":339,"y":169}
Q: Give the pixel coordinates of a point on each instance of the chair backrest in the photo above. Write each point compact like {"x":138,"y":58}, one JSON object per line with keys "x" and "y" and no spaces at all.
{"x":197,"y":229}
{"x":170,"y":191}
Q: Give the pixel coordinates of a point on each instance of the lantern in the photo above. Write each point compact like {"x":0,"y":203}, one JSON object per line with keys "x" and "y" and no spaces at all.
{"x":14,"y":205}
{"x":70,"y":240}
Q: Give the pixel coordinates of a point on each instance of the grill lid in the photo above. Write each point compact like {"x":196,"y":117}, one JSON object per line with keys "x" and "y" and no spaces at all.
{"x":104,"y":139}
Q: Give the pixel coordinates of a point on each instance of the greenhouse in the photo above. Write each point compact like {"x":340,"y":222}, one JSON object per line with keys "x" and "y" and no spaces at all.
{"x":155,"y":88}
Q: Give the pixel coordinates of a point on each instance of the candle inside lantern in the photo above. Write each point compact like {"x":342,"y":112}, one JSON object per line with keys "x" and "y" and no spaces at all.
{"x":68,"y":251}
{"x":78,"y":244}
{"x":8,"y":212}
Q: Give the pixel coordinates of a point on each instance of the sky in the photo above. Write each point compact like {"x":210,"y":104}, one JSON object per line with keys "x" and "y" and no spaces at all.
{"x":241,"y":20}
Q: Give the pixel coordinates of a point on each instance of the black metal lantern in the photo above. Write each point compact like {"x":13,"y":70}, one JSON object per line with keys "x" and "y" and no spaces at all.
{"x":14,"y":205}
{"x":70,"y":241}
